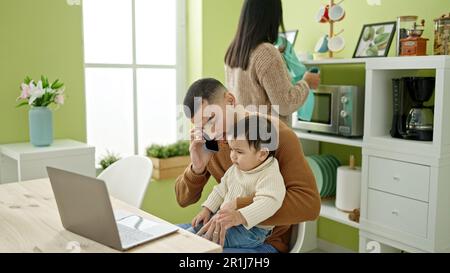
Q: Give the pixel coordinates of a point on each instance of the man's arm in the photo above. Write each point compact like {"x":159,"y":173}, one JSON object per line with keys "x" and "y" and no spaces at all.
{"x":302,"y":200}
{"x":189,"y":186}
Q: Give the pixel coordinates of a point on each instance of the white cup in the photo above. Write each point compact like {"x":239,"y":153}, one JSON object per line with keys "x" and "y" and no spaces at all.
{"x":336,"y":43}
{"x":336,"y":13}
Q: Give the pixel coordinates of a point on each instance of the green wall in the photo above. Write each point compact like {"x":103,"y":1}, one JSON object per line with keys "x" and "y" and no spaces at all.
{"x":41,"y":37}
{"x":220,"y":22}
{"x":210,"y":28}
{"x":194,"y":40}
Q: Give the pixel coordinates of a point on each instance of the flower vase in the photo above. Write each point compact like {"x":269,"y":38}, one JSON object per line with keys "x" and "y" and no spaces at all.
{"x":41,"y":126}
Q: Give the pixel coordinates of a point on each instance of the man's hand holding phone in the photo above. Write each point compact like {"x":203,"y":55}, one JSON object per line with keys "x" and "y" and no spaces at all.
{"x":199,"y":155}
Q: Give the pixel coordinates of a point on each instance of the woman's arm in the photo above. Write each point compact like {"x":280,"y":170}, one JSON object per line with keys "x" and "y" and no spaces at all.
{"x":274,"y":78}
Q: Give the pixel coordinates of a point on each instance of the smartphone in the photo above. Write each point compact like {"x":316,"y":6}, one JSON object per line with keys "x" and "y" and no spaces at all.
{"x":211,"y":145}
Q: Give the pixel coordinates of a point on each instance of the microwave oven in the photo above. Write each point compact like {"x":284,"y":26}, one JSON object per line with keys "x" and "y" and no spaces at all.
{"x":338,"y":110}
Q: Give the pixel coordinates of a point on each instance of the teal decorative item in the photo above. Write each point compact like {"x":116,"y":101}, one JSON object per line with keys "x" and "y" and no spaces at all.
{"x":296,"y":70}
{"x":306,"y":111}
{"x":41,"y":126}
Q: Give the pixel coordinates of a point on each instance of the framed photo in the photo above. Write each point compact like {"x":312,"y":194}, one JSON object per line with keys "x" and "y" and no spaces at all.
{"x":290,"y":35}
{"x":375,"y":40}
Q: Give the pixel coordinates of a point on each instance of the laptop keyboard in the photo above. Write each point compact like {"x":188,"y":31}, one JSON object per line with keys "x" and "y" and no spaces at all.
{"x":131,"y":236}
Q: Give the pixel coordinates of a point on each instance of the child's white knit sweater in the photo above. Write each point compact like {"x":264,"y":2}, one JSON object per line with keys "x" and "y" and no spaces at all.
{"x":265,"y":183}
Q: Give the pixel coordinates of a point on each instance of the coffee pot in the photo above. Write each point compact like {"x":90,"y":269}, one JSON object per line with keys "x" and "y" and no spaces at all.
{"x":411,"y":119}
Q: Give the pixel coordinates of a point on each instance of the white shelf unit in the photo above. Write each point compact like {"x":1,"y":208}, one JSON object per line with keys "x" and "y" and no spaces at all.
{"x":378,"y":105}
{"x":356,"y":142}
{"x":336,"y":61}
{"x":422,"y":225}
{"x":405,"y":190}
{"x":328,"y":210}
{"x":23,"y":161}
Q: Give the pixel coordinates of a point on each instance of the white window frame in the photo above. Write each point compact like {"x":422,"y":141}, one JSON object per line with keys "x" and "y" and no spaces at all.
{"x":180,"y":66}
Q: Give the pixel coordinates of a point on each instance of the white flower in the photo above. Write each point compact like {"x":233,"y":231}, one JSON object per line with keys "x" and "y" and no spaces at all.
{"x":60,"y":91}
{"x":25,"y":91}
{"x":59,"y":99}
{"x":36,"y":92}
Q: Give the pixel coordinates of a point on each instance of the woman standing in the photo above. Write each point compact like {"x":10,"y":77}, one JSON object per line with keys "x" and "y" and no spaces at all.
{"x":255,"y":70}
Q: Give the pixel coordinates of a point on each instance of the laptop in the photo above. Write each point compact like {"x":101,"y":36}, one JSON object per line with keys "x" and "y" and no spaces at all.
{"x":85,"y":209}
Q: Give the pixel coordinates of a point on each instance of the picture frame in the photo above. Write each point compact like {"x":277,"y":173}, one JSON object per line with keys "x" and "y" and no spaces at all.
{"x":290,"y":35}
{"x":375,"y":40}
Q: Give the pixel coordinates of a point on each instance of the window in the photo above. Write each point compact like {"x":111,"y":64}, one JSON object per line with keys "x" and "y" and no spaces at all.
{"x":133,"y":69}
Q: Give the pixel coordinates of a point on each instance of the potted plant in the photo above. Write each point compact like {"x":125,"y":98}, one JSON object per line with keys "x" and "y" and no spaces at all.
{"x":108,"y":160}
{"x":169,"y":161}
{"x":39,"y":96}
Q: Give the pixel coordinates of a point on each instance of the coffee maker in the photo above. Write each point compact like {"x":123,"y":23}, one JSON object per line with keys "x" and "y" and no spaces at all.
{"x":411,"y":119}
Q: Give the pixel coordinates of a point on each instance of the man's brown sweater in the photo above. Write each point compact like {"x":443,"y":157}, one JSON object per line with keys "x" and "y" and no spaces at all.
{"x":302,"y":200}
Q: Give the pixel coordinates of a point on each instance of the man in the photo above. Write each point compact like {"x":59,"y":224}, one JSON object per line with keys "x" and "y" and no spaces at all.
{"x":302,"y":200}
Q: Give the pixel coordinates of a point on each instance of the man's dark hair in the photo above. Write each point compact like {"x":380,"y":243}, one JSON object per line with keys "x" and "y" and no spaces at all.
{"x":204,"y":88}
{"x":259,"y":133}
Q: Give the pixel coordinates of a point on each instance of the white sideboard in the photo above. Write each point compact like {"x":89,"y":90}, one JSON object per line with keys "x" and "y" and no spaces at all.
{"x":23,"y":161}
{"x":405,"y":198}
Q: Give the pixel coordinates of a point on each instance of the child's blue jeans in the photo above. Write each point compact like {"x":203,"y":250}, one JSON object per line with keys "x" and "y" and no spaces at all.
{"x":240,"y":237}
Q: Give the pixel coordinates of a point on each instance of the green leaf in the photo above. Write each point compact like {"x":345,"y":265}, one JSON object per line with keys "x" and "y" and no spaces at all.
{"x":368,"y":34}
{"x":22,"y":104}
{"x":372,"y":51}
{"x":49,"y":99}
{"x":57,"y":86}
{"x":180,"y":148}
{"x":37,"y":102}
{"x":109,"y":159}
{"x":54,"y":83}
{"x":382,"y":38}
{"x":27,"y":80}
{"x":380,"y":30}
{"x":44,"y":82}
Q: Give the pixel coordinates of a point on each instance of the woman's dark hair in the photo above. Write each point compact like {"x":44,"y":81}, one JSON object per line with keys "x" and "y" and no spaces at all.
{"x":259,"y":22}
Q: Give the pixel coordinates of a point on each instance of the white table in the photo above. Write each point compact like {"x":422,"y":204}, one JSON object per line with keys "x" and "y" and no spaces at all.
{"x":23,"y":161}
{"x":30,"y":223}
